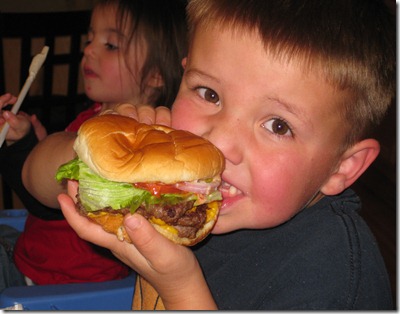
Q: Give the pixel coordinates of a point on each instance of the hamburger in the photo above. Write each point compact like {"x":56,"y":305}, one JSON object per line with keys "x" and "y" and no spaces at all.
{"x":169,"y":176}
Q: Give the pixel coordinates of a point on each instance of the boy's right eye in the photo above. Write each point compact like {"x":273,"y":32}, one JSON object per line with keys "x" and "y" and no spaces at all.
{"x":208,"y":95}
{"x":278,"y":127}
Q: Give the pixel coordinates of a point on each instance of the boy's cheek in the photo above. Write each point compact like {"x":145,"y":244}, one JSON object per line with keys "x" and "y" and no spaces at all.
{"x":276,"y":197}
{"x":182,"y":118}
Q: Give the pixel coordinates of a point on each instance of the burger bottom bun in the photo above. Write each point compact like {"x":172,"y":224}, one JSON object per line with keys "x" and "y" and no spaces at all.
{"x":113,"y":223}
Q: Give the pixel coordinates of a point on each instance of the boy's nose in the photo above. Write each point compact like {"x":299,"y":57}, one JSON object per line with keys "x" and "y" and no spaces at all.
{"x":228,"y":137}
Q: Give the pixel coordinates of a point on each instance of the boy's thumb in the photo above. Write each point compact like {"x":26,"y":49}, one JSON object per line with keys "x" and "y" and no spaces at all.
{"x":143,"y":235}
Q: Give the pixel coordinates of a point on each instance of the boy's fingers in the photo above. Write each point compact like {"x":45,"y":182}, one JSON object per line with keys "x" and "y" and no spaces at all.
{"x":163,"y":116}
{"x":128,"y":110}
{"x":86,"y":229}
{"x":150,"y":115}
{"x":150,"y":243}
{"x":145,"y":113}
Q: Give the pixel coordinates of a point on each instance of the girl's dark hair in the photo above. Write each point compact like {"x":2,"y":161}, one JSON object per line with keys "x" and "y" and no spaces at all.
{"x":162,"y":24}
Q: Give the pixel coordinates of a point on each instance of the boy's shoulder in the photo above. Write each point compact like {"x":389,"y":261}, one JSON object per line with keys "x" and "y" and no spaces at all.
{"x":326,"y":256}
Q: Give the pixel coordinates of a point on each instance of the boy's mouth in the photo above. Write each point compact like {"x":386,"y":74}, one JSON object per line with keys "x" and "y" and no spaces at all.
{"x":229,"y":190}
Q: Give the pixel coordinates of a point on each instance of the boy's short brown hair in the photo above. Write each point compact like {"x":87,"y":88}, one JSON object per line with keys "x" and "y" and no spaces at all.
{"x":351,"y":42}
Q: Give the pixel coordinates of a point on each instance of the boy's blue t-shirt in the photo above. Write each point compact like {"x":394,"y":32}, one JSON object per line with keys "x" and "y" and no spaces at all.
{"x":325,"y":258}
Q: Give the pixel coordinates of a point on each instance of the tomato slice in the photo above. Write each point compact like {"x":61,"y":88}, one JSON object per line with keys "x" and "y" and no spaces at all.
{"x":158,"y":188}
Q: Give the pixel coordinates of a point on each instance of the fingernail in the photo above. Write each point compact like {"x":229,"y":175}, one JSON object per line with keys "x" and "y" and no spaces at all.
{"x":133,"y":222}
{"x":6,"y":114}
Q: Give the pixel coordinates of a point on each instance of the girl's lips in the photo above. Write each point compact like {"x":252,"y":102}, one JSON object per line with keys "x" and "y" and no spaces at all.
{"x":88,"y":72}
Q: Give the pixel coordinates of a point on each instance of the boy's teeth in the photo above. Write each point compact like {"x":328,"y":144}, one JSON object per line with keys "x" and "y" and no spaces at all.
{"x":232,"y":191}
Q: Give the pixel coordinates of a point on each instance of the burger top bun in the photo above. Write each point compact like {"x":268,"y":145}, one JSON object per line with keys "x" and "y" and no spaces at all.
{"x":119,"y":148}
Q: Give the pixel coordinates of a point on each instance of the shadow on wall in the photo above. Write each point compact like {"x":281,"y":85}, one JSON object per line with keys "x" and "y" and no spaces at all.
{"x":45,"y":5}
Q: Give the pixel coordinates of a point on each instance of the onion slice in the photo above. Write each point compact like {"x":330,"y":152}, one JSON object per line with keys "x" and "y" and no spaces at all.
{"x":199,"y":186}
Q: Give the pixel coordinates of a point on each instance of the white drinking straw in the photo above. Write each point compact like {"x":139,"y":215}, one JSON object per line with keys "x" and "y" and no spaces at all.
{"x":35,"y":66}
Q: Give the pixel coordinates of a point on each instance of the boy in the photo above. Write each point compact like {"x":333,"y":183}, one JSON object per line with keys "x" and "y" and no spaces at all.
{"x":289,"y":91}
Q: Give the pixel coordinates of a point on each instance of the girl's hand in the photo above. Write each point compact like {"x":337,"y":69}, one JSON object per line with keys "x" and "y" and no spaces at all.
{"x":171,"y":269}
{"x":38,"y":127}
{"x":6,"y":116}
{"x":20,"y":124}
{"x":7,"y":99}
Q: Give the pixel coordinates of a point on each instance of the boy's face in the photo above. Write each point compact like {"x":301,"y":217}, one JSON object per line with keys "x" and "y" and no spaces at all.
{"x":278,"y":128}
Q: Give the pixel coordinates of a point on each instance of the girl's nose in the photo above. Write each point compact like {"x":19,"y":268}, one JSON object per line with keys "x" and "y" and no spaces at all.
{"x":89,"y":49}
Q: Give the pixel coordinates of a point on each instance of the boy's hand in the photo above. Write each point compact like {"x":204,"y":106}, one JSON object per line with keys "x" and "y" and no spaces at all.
{"x":144,"y":113}
{"x":171,"y":269}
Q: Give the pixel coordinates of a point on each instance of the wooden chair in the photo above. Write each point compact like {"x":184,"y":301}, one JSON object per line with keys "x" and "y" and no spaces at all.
{"x":56,"y":95}
{"x":112,"y":295}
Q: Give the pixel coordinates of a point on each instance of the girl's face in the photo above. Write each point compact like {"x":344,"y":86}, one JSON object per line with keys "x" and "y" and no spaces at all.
{"x":278,"y":127}
{"x":107,"y":76}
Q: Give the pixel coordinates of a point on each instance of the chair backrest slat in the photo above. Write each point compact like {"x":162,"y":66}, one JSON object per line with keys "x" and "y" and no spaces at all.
{"x":55,"y":98}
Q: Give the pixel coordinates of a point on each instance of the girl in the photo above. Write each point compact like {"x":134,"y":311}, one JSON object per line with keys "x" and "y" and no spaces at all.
{"x":133,"y":56}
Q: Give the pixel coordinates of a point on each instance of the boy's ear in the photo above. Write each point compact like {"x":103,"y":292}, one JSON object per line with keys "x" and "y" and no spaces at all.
{"x":354,"y":162}
{"x":184,"y":60}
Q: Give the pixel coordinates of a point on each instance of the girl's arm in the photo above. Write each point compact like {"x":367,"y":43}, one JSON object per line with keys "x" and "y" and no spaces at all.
{"x":38,"y":173}
{"x":40,"y":167}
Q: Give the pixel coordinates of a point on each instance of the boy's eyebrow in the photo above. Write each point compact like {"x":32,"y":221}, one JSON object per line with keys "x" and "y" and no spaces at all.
{"x":195,"y":72}
{"x":296,"y":110}
{"x":288,"y":106}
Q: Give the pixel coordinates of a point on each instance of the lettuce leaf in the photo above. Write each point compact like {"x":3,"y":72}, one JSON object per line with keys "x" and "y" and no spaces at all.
{"x":70,"y":170}
{"x":96,"y":192}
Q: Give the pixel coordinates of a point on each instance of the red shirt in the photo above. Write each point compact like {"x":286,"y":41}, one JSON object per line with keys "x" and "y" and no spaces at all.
{"x":50,"y":252}
{"x":82,"y":117}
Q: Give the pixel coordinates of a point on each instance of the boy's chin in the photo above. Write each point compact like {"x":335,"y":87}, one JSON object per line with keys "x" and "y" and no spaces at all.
{"x":226,"y":224}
